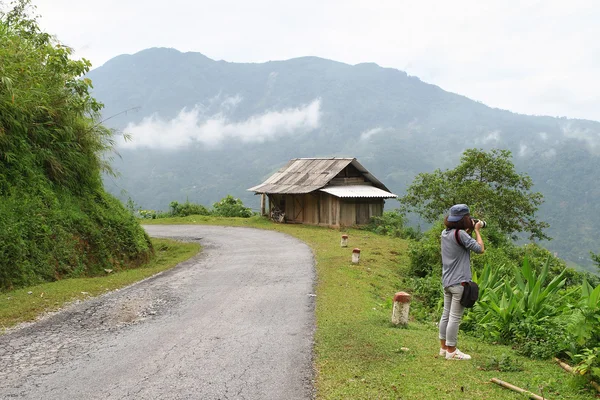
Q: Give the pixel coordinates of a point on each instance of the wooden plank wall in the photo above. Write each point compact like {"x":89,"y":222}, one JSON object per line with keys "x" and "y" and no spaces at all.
{"x":325,"y":209}
{"x":335,"y":211}
{"x":311,"y":208}
{"x":359,"y":211}
{"x":347,"y":213}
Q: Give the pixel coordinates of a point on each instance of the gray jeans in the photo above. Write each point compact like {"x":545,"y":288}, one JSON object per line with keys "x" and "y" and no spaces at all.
{"x":452,"y":315}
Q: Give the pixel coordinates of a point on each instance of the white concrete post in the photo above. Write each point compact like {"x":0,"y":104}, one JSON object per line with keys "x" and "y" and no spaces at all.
{"x":401,"y":308}
{"x":355,"y":256}
{"x":344,"y":242}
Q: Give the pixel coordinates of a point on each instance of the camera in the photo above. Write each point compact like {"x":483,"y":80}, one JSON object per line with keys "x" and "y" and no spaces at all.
{"x":475,"y":221}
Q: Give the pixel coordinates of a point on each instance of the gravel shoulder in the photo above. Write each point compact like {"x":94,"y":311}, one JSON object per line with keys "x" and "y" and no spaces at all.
{"x":234,"y":322}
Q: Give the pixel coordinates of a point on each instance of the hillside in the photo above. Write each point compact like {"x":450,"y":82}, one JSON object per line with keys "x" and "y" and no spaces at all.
{"x":204,"y":128}
{"x":56,"y":219}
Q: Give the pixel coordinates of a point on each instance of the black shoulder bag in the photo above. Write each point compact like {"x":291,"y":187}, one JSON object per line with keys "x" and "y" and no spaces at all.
{"x":470,"y":289}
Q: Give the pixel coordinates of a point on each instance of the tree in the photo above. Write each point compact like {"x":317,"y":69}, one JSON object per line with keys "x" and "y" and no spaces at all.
{"x":595,"y":259}
{"x":489,"y":184}
{"x":231,"y":207}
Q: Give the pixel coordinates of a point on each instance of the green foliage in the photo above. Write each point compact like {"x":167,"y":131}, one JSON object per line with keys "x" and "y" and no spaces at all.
{"x":588,"y":363}
{"x":231,"y":207}
{"x":489,"y":184}
{"x":596,"y":259}
{"x":535,"y":312}
{"x":511,"y":309}
{"x":153,"y":214}
{"x":187,"y":208}
{"x":585,"y":322}
{"x":54,"y":235}
{"x":428,"y":292}
{"x":425,"y":255}
{"x":57,"y":220}
{"x":392,"y":223}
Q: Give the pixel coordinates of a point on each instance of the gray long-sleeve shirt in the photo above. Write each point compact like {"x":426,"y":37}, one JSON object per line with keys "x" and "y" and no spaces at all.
{"x":456,"y":259}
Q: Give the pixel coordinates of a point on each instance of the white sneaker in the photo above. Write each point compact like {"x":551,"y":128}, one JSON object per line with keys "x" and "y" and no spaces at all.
{"x":457,"y":355}
{"x":442,"y":352}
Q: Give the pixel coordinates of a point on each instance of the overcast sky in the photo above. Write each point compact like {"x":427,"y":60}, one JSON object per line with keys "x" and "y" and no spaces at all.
{"x":532,"y":57}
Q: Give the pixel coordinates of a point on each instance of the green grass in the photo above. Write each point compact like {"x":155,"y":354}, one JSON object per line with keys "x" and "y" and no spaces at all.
{"x":20,"y":306}
{"x":359,"y":353}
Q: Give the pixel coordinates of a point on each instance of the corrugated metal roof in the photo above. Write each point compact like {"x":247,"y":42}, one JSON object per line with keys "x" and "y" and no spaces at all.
{"x":305,"y":175}
{"x":358,"y":191}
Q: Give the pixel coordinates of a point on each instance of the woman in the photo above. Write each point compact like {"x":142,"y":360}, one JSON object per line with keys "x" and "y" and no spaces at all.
{"x":456,"y":269}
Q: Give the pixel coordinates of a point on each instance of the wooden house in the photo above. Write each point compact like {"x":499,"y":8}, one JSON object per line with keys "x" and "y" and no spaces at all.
{"x":324,"y":191}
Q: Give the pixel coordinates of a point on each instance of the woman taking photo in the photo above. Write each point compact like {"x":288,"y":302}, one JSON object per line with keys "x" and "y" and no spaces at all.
{"x":457,"y":245}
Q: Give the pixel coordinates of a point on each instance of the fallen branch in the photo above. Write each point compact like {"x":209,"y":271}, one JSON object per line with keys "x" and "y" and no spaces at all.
{"x":568,"y":368}
{"x":517,"y":389}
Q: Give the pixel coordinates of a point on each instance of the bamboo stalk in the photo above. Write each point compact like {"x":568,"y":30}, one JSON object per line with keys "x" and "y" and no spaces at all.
{"x":565,"y":366}
{"x":517,"y":389}
{"x":568,"y":368}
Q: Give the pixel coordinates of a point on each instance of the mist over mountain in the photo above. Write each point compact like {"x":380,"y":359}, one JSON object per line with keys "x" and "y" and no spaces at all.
{"x":202,"y":129}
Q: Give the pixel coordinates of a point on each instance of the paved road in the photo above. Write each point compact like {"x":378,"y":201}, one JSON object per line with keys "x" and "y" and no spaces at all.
{"x":235,"y":322}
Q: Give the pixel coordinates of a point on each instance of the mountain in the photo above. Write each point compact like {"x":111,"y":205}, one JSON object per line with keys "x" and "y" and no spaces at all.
{"x":203,"y":129}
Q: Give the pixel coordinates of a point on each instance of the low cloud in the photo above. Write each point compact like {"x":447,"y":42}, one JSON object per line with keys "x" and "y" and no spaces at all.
{"x":550,"y":153}
{"x":589,"y":136}
{"x":523,"y":150}
{"x":491,"y":137}
{"x":366,"y":135}
{"x":193,"y":126}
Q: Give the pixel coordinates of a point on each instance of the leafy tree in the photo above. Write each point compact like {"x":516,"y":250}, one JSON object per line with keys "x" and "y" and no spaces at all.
{"x":489,"y":184}
{"x":231,"y":207}
{"x":595,"y":258}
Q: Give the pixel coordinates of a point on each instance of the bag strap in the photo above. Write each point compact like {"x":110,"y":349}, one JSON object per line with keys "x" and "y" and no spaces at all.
{"x":457,"y":237}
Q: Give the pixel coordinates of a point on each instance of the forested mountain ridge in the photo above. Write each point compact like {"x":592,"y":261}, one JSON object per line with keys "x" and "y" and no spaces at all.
{"x":208,"y":128}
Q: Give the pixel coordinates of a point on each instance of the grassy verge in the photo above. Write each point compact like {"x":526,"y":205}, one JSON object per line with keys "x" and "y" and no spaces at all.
{"x":28,"y":303}
{"x":359,"y":354}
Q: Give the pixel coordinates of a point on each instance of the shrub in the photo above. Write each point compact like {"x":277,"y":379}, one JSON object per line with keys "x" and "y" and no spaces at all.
{"x":425,"y":255}
{"x":588,"y":363}
{"x":523,"y":298}
{"x":187,"y":208}
{"x":392,"y":223}
{"x":428,"y":293}
{"x":231,"y":207}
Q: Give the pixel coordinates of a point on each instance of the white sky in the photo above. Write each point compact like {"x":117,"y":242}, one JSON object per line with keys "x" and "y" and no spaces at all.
{"x":533,"y":57}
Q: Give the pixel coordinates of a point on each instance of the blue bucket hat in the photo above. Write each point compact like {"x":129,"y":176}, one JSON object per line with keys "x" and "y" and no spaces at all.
{"x":457,"y":212}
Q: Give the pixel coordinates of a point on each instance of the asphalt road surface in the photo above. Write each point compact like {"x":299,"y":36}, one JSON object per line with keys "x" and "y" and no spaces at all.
{"x":235,"y":322}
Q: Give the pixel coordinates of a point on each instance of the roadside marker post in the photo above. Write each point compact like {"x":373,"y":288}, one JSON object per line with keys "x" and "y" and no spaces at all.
{"x":401,"y":308}
{"x":355,"y":256}
{"x":344,"y":242}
